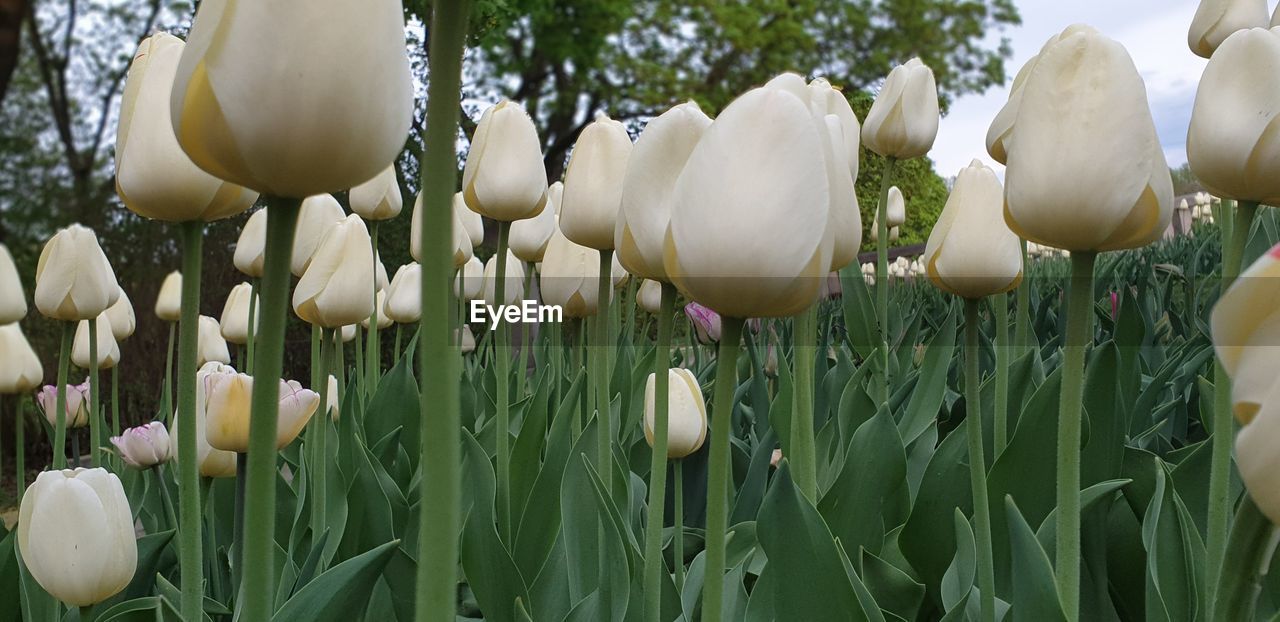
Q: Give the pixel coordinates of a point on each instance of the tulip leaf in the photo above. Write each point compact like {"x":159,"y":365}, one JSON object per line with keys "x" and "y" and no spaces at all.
{"x":340,"y":593}
{"x":894,"y":590}
{"x":859,"y":311}
{"x":395,"y":404}
{"x":875,"y":465}
{"x":1035,"y":595}
{"x":10,"y":577}
{"x":927,"y":539}
{"x":143,"y":609}
{"x":1175,"y":554}
{"x":926,"y":400}
{"x":960,"y":575}
{"x":491,"y":572}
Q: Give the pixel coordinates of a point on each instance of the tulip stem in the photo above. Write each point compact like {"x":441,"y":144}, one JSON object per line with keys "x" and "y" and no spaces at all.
{"x":166,"y":398}
{"x":977,"y":461}
{"x":115,"y":400}
{"x":75,"y":450}
{"x":801,"y":451}
{"x":189,"y":552}
{"x":60,"y":415}
{"x":604,"y":414}
{"x":320,"y":435}
{"x":677,"y":515}
{"x":165,"y":498}
{"x":502,"y":361}
{"x":1020,"y":338}
{"x":95,"y":419}
{"x":1078,"y":336}
{"x":718,"y":467}
{"x":439,"y":520}
{"x":19,"y":439}
{"x":654,"y":564}
{"x":253,"y":318}
{"x":373,"y":366}
{"x":577,"y":336}
{"x":260,"y":484}
{"x":237,"y":544}
{"x":882,"y":274}
{"x":86,"y":613}
{"x":1223,"y":425}
{"x":1001,"y":432}
{"x":1248,"y":554}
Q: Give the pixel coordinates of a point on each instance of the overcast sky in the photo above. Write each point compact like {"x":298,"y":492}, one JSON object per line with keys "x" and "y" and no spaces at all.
{"x":1154,"y":32}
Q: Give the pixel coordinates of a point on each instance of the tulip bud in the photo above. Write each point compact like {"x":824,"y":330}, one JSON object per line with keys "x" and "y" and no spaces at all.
{"x":120,"y":314}
{"x":1233,"y":132}
{"x":76,"y":535}
{"x":144,"y":446}
{"x":504,"y":178}
{"x":77,"y":413}
{"x":529,"y":237}
{"x":338,"y":114}
{"x":656,"y":161}
{"x":617,"y":273}
{"x":317,"y":215}
{"x":333,"y":404}
{"x":513,"y":289}
{"x":74,"y":280}
{"x":750,"y":215}
{"x":227,"y":399}
{"x":211,"y":346}
{"x":1256,"y":454}
{"x":379,"y":198}
{"x":1217,"y":20}
{"x":213,"y":462}
{"x":108,"y":349}
{"x":20,"y":368}
{"x":154,"y":178}
{"x":903,"y":121}
{"x":469,"y":283}
{"x":1245,"y":326}
{"x":472,"y":223}
{"x":686,"y":413}
{"x":169,"y":300}
{"x":705,"y":321}
{"x":570,"y":277}
{"x":348,"y":333}
{"x":1085,"y":91}
{"x":380,"y":306}
{"x":380,"y":281}
{"x":461,"y":240}
{"x":466,"y":341}
{"x":649,"y":296}
{"x":234,"y":323}
{"x":971,"y":252}
{"x":896,"y":208}
{"x":593,"y":184}
{"x":404,"y":295}
{"x":250,"y":251}
{"x":13,"y":302}
{"x":334,"y":290}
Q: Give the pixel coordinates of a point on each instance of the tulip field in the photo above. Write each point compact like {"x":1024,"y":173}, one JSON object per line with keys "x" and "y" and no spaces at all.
{"x":690,"y":373}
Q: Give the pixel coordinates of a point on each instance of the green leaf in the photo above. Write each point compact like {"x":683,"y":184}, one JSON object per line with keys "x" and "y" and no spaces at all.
{"x":1175,"y":554}
{"x":1035,"y":595}
{"x":926,"y":400}
{"x":341,"y":593}
{"x":895,"y":591}
{"x":960,"y":575}
{"x":874,"y":467}
{"x":859,"y":311}
{"x":491,"y":572}
{"x":927,"y":539}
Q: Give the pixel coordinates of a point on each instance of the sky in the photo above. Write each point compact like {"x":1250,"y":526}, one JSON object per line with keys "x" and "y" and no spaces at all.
{"x":1154,"y":32}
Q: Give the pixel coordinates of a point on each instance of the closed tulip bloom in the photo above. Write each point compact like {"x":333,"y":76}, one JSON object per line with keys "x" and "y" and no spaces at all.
{"x":472,"y":223}
{"x":469,"y":283}
{"x":404,"y":295}
{"x":896,"y":209}
{"x":144,"y":446}
{"x":211,"y":347}
{"x":348,"y":333}
{"x":332,"y":402}
{"x":656,"y":161}
{"x":1217,"y":20}
{"x":234,"y":322}
{"x":334,"y":292}
{"x":250,"y":251}
{"x":705,"y":321}
{"x":169,"y":300}
{"x":504,"y":178}
{"x":570,"y":277}
{"x":154,"y":177}
{"x":74,"y":280}
{"x":213,"y":462}
{"x":20,"y":368}
{"x":108,"y":349}
{"x":649,"y":296}
{"x":1232,"y":143}
{"x":380,"y":281}
{"x":77,"y":404}
{"x":529,"y":237}
{"x":318,"y":214}
{"x":903,"y":121}
{"x":76,"y":535}
{"x":467,"y":341}
{"x":513,"y":289}
{"x":593,"y":183}
{"x":750,"y":212}
{"x":1085,"y":91}
{"x":13,"y":302}
{"x":380,"y":306}
{"x":462,"y":242}
{"x":617,"y":273}
{"x":971,"y":252}
{"x":686,"y":413}
{"x":336,"y":114}
{"x":379,"y":198}
{"x":1246,"y":334}
{"x":1256,"y":454}
{"x":227,"y":406}
{"x":123,"y":321}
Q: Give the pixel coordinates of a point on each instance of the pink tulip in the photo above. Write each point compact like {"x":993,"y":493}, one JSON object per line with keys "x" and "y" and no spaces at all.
{"x":144,"y":446}
{"x":706,"y":323}
{"x":77,"y":404}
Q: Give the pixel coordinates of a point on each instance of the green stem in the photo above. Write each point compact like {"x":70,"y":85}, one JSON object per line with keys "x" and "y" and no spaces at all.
{"x":189,"y":552}
{"x":882,"y":275}
{"x":1001,"y":302}
{"x":75,"y":450}
{"x":577,"y":337}
{"x":1248,"y":554}
{"x":237,"y":544}
{"x":399,"y":333}
{"x":95,"y":419}
{"x":86,"y":613}
{"x":502,"y":363}
{"x":320,"y":436}
{"x":654,"y":566}
{"x":677,"y":531}
{"x":253,"y":319}
{"x":604,"y":414}
{"x":718,"y":467}
{"x":439,"y":520}
{"x":373,"y":365}
{"x":19,"y":438}
{"x":1223,"y":424}
{"x":268,"y":362}
{"x":60,"y":417}
{"x":977,"y":461}
{"x":1079,"y":335}
{"x":166,"y":398}
{"x":1020,"y":338}
{"x":165,"y":498}
{"x":115,"y":401}
{"x":802,"y":454}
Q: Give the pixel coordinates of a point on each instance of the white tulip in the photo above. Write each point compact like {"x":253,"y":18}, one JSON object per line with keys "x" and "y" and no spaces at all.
{"x":593,"y":183}
{"x":504,"y":178}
